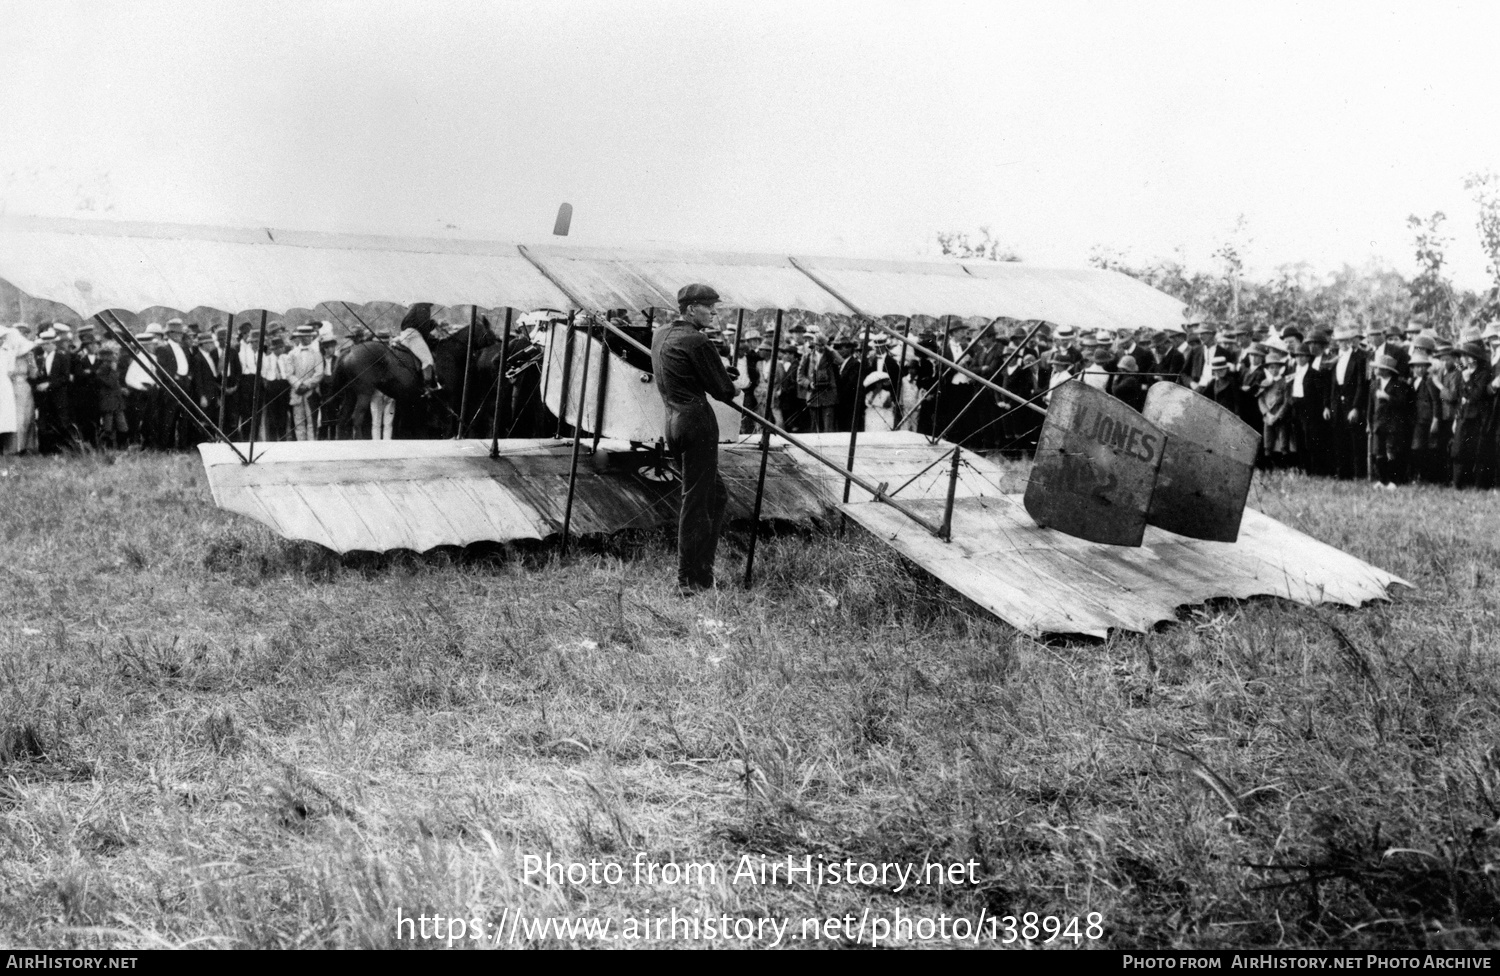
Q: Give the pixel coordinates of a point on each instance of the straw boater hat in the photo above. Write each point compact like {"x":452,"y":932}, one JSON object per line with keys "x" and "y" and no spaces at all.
{"x":306,"y":330}
{"x":1064,"y":333}
{"x":48,"y":336}
{"x":1219,"y":363}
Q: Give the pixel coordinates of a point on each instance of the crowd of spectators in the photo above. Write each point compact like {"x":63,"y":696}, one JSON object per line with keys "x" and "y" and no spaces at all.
{"x":70,"y":388}
{"x":1396,"y":401}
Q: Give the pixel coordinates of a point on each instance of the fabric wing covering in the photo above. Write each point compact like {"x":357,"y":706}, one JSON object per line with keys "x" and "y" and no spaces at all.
{"x":91,"y":265}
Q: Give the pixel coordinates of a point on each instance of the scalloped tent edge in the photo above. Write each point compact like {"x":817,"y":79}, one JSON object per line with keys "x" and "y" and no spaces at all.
{"x":91,"y":265}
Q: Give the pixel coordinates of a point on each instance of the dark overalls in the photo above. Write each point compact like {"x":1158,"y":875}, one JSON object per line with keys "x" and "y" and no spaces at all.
{"x":687,"y":372}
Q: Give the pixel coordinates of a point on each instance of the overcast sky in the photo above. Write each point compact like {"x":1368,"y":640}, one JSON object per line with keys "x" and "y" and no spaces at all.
{"x":858,"y":128}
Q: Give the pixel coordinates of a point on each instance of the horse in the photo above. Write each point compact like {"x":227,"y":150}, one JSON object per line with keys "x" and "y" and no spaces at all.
{"x":371,"y":365}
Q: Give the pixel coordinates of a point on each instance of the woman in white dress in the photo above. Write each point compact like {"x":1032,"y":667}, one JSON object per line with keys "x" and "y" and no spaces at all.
{"x":17,"y":409}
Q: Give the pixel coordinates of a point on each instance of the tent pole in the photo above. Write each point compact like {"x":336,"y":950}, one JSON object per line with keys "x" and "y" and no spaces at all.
{"x":898,"y":381}
{"x":765,"y":452}
{"x":859,"y":401}
{"x":947,"y":534}
{"x":567,"y":377}
{"x":260,"y":354}
{"x":603,"y":387}
{"x":937,"y":400}
{"x":583,"y":389}
{"x":463,"y":393}
{"x":224,"y":370}
{"x":501,"y":389}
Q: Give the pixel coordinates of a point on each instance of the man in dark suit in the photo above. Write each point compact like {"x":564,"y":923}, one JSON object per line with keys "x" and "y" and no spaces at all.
{"x":83,"y":397}
{"x":173,"y":427}
{"x":204,"y":368}
{"x":1170,"y":359}
{"x":1309,"y":397}
{"x":1137,"y":349}
{"x":1348,"y":400}
{"x":1197,"y":372}
{"x":50,"y":389}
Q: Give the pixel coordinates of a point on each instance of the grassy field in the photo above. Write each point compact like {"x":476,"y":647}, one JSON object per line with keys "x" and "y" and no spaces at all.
{"x":210,"y":736}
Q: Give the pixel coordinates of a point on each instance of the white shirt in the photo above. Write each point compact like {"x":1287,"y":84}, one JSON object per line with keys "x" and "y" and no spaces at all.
{"x":1297,"y":378}
{"x":955,"y":353}
{"x":137,"y":377}
{"x":47,"y":358}
{"x":1207,"y":375}
{"x":1342,"y":366}
{"x":247,"y":359}
{"x":180,"y":356}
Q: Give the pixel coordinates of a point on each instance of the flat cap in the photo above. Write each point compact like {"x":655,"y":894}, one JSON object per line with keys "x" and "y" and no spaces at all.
{"x":697,"y":294}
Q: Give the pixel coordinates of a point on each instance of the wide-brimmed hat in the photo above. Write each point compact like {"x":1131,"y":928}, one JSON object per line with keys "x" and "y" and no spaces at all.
{"x":1346,"y":332}
{"x":1419,"y":357}
{"x":1474,"y":348}
{"x":1127,"y":364}
{"x":876,"y":377}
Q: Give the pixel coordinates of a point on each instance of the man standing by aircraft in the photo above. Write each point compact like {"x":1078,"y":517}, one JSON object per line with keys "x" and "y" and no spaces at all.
{"x":688,"y":371}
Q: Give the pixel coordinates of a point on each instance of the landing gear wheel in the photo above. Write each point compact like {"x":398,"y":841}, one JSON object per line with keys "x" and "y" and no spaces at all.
{"x":657,"y":472}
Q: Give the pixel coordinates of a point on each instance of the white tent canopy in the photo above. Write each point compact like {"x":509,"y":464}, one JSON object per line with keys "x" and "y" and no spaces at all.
{"x":91,"y":266}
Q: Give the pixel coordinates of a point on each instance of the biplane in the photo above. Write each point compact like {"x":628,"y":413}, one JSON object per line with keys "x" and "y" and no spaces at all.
{"x":1124,"y":517}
